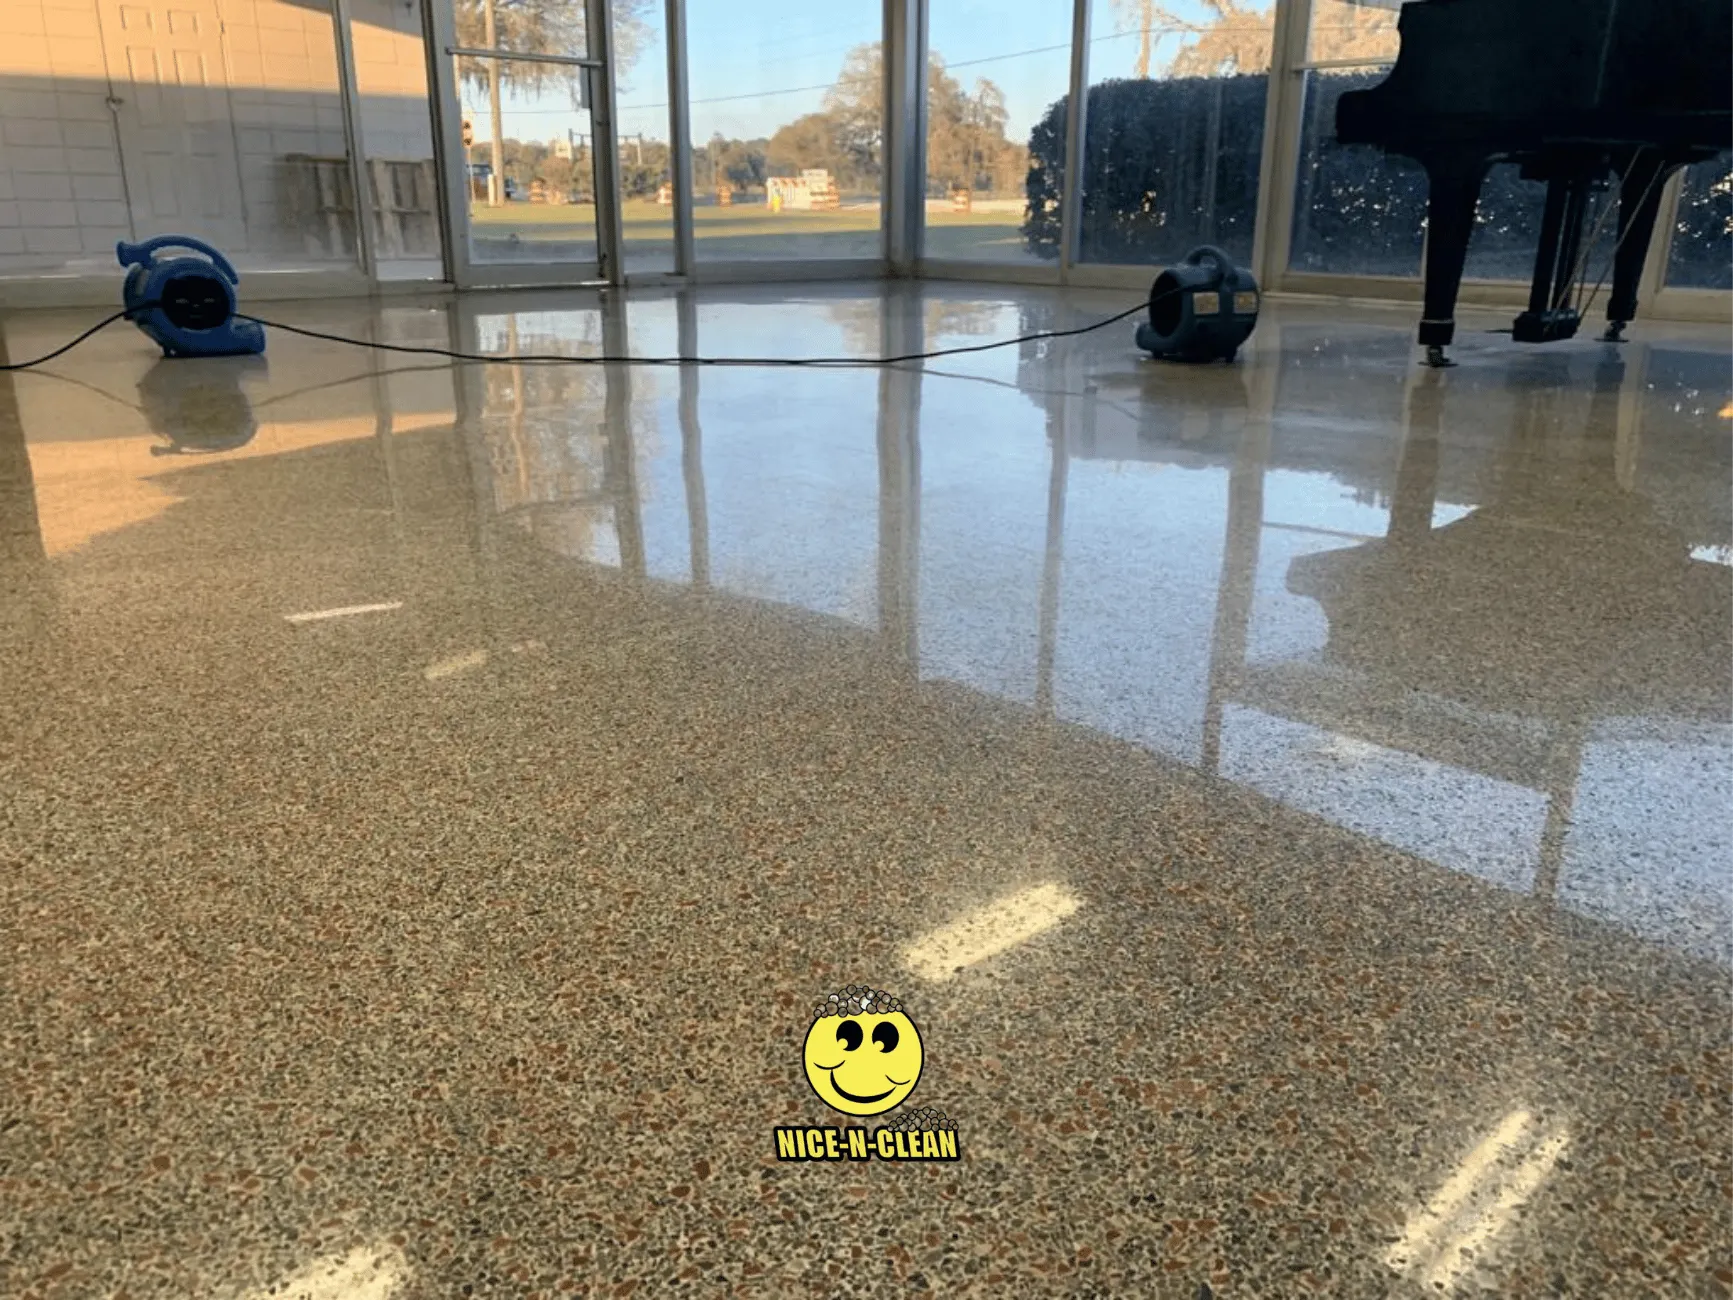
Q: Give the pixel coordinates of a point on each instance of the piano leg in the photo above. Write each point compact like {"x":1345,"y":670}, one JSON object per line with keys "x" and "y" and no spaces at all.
{"x":1639,"y":201}
{"x":1570,"y":240}
{"x":1546,"y":251}
{"x":1551,"y":315}
{"x":1454,"y":189}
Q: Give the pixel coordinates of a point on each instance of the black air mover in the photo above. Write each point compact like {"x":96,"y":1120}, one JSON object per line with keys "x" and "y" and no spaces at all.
{"x":1200,"y":310}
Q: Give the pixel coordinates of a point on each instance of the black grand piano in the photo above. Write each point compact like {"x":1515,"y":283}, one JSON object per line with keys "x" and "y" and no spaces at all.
{"x":1575,"y":91}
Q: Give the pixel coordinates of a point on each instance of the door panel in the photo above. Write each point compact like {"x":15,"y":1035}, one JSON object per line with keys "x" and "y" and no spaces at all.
{"x":544,"y":214}
{"x":517,"y":104}
{"x":176,"y":141}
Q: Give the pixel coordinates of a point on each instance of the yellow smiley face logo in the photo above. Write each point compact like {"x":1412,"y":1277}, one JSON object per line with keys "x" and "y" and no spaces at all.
{"x":862,"y":1054}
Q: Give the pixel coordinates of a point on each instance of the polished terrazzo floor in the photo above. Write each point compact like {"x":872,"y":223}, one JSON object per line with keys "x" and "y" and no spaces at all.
{"x":1291,"y":799}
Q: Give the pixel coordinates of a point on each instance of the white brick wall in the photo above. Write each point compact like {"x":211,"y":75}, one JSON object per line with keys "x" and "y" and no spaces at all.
{"x":391,"y":74}
{"x":282,"y":70}
{"x":62,"y":185}
{"x":60,"y":177}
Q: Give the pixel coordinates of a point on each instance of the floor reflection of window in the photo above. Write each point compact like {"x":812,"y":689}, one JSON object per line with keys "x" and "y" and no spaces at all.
{"x":1143,"y":564}
{"x":1659,"y":870}
{"x":981,"y":540}
{"x":1458,"y":819}
{"x":790,"y":472}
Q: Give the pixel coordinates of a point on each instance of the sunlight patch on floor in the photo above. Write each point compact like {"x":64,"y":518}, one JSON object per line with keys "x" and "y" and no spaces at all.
{"x":991,"y":930}
{"x":343,"y":611}
{"x":455,"y":664}
{"x":365,"y":1273}
{"x":1446,"y":1243}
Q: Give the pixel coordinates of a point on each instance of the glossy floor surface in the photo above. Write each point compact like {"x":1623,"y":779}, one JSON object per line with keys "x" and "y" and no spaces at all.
{"x":1291,"y":800}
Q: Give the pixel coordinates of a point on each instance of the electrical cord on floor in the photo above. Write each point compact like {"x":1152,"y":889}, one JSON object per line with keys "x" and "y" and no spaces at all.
{"x":556,"y":359}
{"x":567,"y":360}
{"x":277,"y":399}
{"x":64,"y":348}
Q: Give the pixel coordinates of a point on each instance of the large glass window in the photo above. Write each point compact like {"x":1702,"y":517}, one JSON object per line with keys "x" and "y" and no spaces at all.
{"x":996,"y":87}
{"x":787,"y":104}
{"x":1702,"y":252}
{"x":530,"y":150}
{"x":1357,"y":209}
{"x":1507,"y":227}
{"x":150,"y":117}
{"x":1175,"y":129}
{"x":641,"y":97}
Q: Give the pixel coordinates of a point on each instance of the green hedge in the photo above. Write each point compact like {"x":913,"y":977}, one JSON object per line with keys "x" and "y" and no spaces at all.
{"x":1167,"y":165}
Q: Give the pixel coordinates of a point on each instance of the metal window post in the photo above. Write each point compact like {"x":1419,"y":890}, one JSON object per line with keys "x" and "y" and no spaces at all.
{"x":1654,"y":277}
{"x":349,"y":95}
{"x":604,"y":143}
{"x":904,"y":184}
{"x":454,"y":188}
{"x":1076,"y":125}
{"x":438,"y":112}
{"x":680,"y":138}
{"x":1278,"y":167}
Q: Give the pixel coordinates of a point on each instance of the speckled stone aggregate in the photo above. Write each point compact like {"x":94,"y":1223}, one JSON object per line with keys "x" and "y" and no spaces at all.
{"x":502,"y":970}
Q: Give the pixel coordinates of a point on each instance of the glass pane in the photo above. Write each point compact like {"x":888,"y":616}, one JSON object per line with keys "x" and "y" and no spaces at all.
{"x":1702,"y":252}
{"x":1507,"y":230}
{"x":522,"y":26}
{"x":1507,"y":226}
{"x":1357,"y":209}
{"x":996,"y":130}
{"x":397,"y":138}
{"x":646,"y":179}
{"x":532,"y":183}
{"x":787,"y":129}
{"x":223,"y":126}
{"x":1175,"y":131}
{"x":1353,"y":29}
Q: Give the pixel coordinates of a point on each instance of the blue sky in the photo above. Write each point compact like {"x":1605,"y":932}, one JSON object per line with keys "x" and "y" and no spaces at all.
{"x":758,"y":64}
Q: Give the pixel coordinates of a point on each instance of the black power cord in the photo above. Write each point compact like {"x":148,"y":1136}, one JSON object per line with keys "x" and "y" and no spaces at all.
{"x":558,"y":359}
{"x":567,"y":360}
{"x":123,"y":314}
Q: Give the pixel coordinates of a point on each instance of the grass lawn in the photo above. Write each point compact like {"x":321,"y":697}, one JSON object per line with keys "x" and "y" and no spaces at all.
{"x":537,"y":232}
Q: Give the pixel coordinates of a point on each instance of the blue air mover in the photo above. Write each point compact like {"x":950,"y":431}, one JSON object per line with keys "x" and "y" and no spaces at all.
{"x":194,"y":297}
{"x":1200,"y":310}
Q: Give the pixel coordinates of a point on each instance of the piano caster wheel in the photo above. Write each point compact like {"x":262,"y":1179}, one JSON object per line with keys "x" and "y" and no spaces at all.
{"x":1435,"y":357}
{"x":1615,"y":332}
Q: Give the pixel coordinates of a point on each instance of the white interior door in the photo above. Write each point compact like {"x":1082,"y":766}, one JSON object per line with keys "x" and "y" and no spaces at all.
{"x":177,"y":143}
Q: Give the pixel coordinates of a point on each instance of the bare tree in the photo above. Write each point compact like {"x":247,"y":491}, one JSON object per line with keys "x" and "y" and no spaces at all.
{"x":1146,"y":14}
{"x":1239,"y":36}
{"x":966,"y":133}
